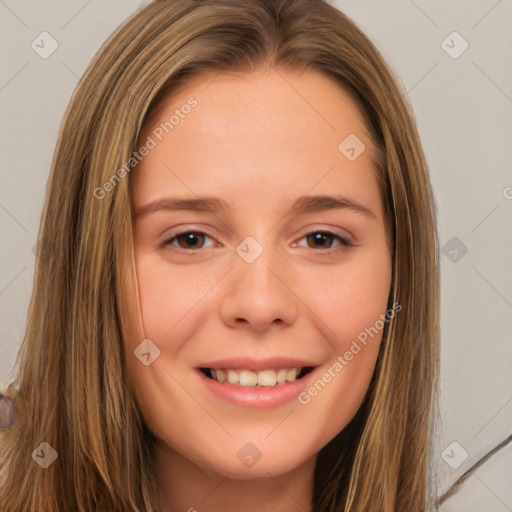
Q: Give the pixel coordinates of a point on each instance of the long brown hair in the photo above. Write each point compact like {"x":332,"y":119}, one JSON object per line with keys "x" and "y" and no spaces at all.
{"x":71,"y":390}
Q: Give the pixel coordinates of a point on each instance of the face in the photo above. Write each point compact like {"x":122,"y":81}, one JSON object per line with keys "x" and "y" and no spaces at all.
{"x":262,"y":267}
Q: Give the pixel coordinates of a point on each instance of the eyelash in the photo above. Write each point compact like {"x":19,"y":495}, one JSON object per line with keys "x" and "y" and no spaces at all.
{"x":344,"y":243}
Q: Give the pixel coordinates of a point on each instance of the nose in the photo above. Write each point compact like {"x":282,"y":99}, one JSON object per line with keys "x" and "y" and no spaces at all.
{"x":258,"y":295}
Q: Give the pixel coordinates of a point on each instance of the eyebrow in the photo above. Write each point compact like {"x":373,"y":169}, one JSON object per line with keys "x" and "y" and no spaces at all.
{"x":303,"y":205}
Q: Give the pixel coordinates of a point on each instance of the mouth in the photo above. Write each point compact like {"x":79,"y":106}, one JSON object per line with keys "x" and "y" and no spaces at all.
{"x":269,"y":378}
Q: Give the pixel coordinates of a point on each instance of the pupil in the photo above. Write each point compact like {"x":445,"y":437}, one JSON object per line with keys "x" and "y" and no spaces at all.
{"x":319,"y":238}
{"x":191,"y":239}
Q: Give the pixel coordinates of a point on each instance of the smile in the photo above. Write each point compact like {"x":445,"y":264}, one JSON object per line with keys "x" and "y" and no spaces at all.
{"x":251,"y":379}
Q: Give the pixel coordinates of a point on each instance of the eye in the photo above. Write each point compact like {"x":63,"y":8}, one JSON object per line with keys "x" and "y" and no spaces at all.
{"x":189,"y":240}
{"x":194,"y":240}
{"x":325,"y":240}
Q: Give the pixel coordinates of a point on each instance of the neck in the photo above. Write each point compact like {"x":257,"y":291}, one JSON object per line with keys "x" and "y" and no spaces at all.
{"x":186,"y":487}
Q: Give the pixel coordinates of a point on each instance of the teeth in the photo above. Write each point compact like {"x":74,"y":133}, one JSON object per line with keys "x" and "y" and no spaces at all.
{"x":291,"y":375}
{"x":247,"y":378}
{"x":232,"y":376}
{"x":250,"y":379}
{"x":281,"y":376}
{"x":267,"y":378}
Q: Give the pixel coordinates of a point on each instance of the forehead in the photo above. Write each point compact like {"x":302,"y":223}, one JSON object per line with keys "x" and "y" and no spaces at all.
{"x":277,"y":127}
{"x":315,"y":96}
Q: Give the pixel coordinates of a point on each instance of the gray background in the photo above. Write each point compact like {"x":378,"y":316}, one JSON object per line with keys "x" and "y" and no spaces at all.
{"x":463,"y":106}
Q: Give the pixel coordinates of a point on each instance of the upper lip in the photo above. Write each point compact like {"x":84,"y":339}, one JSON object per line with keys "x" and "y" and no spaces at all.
{"x":247,"y":363}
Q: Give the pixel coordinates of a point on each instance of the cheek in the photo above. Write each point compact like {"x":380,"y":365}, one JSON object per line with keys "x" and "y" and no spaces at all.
{"x":349,"y":309}
{"x":168,"y":295}
{"x":349,"y":298}
{"x":171,"y":309}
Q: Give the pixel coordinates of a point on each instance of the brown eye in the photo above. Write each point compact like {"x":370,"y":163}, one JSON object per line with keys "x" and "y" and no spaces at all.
{"x":188,"y":240}
{"x":325,"y":240}
{"x":320,"y":240}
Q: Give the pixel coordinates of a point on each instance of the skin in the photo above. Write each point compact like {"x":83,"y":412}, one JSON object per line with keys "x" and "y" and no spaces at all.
{"x":259,"y":141}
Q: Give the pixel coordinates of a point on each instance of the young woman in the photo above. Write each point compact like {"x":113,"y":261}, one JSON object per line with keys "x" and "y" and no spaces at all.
{"x":240,"y":308}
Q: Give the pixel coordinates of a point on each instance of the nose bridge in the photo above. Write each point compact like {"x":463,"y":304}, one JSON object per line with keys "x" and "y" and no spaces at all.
{"x":256,"y":293}
{"x":255,"y":266}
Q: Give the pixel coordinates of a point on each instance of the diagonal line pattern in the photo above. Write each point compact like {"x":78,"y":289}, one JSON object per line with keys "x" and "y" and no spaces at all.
{"x":301,"y":300}
{"x":493,"y":492}
{"x":301,"y":96}
{"x":328,"y":171}
{"x":280,"y":423}
{"x":76,"y":14}
{"x":13,"y":218}
{"x":200,"y":404}
{"x":424,"y":14}
{"x":216,"y":487}
{"x":488,"y":215}
{"x":198,"y":301}
{"x":81,"y":81}
{"x":287,"y":492}
{"x":13,"y":279}
{"x":13,"y":13}
{"x":485,"y":15}
{"x":211,"y":81}
{"x":309,"y":190}
{"x":493,"y":287}
{"x":212,"y":212}
{"x":492,"y":418}
{"x":491,"y":80}
{"x":424,"y":76}
{"x":14,"y":76}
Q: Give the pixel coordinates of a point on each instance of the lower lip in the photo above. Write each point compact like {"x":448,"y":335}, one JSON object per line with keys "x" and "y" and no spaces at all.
{"x":263,"y":398}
